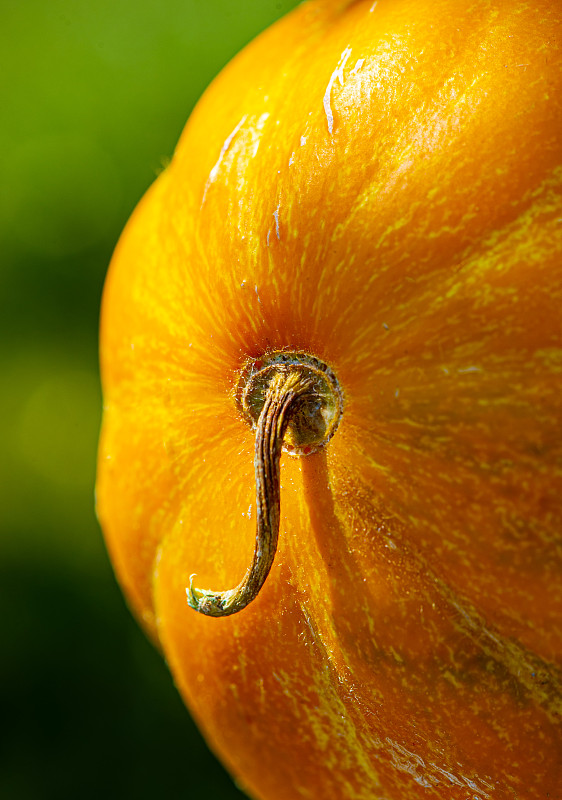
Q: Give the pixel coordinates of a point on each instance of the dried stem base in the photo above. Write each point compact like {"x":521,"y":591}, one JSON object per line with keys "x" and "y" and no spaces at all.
{"x":291,"y":393}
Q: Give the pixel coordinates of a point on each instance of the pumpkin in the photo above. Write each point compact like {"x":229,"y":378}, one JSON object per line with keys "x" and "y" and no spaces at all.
{"x":347,"y":286}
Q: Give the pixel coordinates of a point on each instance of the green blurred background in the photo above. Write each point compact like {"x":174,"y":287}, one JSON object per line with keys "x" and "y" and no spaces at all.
{"x":93,"y":97}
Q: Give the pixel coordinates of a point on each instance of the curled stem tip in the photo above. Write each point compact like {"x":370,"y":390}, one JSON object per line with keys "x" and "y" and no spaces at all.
{"x":292,"y":392}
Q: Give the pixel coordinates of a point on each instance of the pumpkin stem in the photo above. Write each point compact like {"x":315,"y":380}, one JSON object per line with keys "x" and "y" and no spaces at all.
{"x":285,"y":393}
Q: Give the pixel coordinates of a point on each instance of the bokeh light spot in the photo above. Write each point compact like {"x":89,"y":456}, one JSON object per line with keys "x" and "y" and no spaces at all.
{"x":58,"y":428}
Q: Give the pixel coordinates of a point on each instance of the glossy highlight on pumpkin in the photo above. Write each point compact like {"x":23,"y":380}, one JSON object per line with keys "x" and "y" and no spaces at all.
{"x":379,"y":185}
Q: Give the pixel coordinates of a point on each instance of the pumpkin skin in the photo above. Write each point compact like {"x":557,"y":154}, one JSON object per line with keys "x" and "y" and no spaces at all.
{"x":379,"y":185}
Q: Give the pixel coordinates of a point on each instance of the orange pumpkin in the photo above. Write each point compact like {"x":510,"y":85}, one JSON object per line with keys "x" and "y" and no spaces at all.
{"x":377,"y":186}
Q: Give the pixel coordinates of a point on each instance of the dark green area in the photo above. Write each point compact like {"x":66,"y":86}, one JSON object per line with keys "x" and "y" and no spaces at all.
{"x":93,"y":97}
